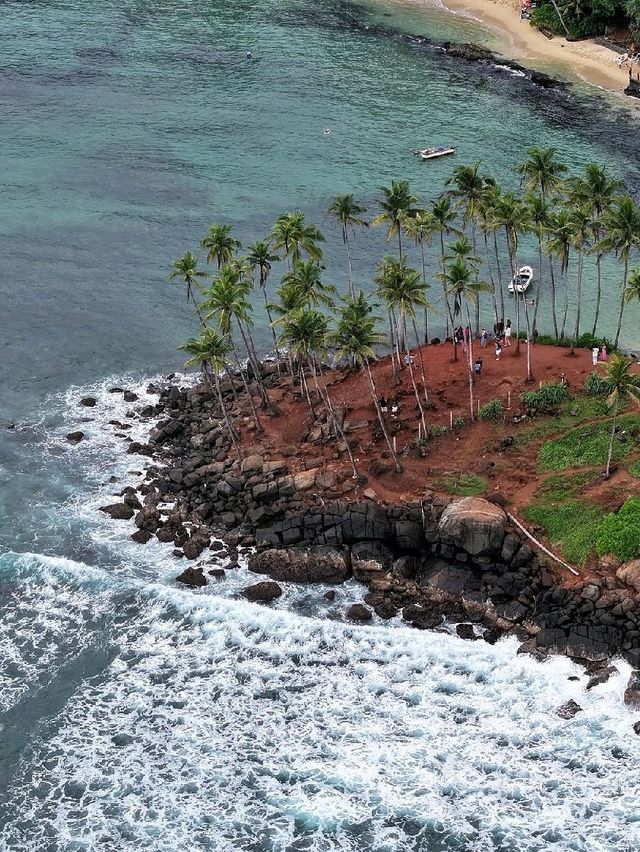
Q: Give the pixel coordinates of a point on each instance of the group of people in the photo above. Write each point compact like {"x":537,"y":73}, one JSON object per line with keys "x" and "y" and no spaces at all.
{"x":599,"y":354}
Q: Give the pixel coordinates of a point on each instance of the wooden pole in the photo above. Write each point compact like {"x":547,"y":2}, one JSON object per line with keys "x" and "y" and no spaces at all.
{"x":451,"y":419}
{"x":540,"y":545}
{"x":508,"y":400}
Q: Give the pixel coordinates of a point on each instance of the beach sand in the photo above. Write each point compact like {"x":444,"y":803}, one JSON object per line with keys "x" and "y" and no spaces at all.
{"x":586,"y":60}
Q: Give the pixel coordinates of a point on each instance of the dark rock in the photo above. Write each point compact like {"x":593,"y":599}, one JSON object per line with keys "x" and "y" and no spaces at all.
{"x":264,"y":592}
{"x":632,"y":692}
{"x":192,"y":577}
{"x":601,"y":676}
{"x":465,"y":631}
{"x":141,"y":536}
{"x":118,"y":511}
{"x":148,"y":518}
{"x":359,"y":612}
{"x":386,"y":610}
{"x":529,"y":647}
{"x":88,"y":401}
{"x":569,"y":709}
{"x":195,"y":544}
{"x":636,"y":728}
{"x":218,"y":573}
{"x":492,"y":635}
{"x":129,"y":396}
{"x":75,"y":437}
{"x":330,"y":595}
{"x":313,"y":566}
{"x":406,"y":568}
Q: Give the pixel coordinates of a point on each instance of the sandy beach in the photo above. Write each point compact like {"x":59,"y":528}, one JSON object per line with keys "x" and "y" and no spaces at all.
{"x":586,"y":60}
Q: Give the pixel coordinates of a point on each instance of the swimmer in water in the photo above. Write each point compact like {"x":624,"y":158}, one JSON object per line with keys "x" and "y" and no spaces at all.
{"x":249,"y":55}
{"x":327,"y":131}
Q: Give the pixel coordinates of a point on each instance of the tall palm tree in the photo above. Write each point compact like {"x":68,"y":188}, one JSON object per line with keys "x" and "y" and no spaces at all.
{"x":488,"y":225}
{"x":538,"y":211}
{"x":542,"y":171}
{"x":558,"y":245}
{"x":403,"y":290}
{"x":624,"y":385}
{"x":632,"y":293}
{"x":186,"y":269}
{"x":397,"y":205}
{"x":306,"y":276}
{"x":305,"y":332}
{"x":348,"y":213}
{"x":210,"y":351}
{"x":595,"y":191}
{"x":220,"y":245}
{"x":292,"y":233}
{"x":510,"y":213}
{"x":421,"y":228}
{"x":622,"y":236}
{"x":355,"y":338}
{"x":581,"y":240}
{"x":261,"y":257}
{"x":445,"y":215}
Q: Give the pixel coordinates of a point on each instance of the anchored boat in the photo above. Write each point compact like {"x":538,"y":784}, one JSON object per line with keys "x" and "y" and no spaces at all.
{"x":521,"y":281}
{"x":432,"y":153}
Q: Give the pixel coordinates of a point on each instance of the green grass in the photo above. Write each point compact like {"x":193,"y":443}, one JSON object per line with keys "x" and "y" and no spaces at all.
{"x":463,"y":484}
{"x":588,"y":445}
{"x":634,"y":469}
{"x":561,"y":487}
{"x":619,"y":532}
{"x":586,"y":408}
{"x":570,"y":525}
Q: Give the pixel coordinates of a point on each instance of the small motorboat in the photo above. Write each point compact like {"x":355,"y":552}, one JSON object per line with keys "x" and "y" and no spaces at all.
{"x":432,"y":153}
{"x":521,"y":281}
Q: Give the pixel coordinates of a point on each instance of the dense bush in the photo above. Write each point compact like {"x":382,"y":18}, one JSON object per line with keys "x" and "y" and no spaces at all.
{"x":619,"y":532}
{"x":492,"y":410}
{"x":585,"y":341}
{"x":434,"y":430}
{"x":587,"y":18}
{"x":459,"y":422}
{"x":596,"y":385}
{"x":546,"y":398}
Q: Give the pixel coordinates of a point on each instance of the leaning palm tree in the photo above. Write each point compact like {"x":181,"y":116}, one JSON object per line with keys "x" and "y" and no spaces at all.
{"x":632,"y":293}
{"x":186,"y":269}
{"x":306,"y":276}
{"x":348,"y":214}
{"x":421,"y":228}
{"x":305,"y":333}
{"x":210,"y":351}
{"x":581,"y":240}
{"x":542,"y":172}
{"x":445,"y":215}
{"x":538,"y":211}
{"x":622,"y":236}
{"x":292,"y":233}
{"x":558,"y":244}
{"x":510,"y":213}
{"x":397,"y":205}
{"x":595,"y":191}
{"x":220,"y":245}
{"x":261,"y":257}
{"x":355,"y":338}
{"x":624,"y":385}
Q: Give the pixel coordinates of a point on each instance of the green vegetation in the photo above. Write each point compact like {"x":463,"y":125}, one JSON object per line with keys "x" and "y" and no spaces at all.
{"x":546,"y":399}
{"x":492,"y":411}
{"x":619,"y":532}
{"x":463,"y":484}
{"x":588,"y":17}
{"x":571,"y":525}
{"x":562,"y":487}
{"x":634,"y":469}
{"x":597,"y":385}
{"x":588,"y":445}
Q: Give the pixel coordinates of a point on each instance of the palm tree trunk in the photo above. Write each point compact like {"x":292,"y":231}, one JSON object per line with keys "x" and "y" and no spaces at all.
{"x":324,"y":394}
{"x":424,"y":380}
{"x":553,"y":298}
{"x":273,"y":331}
{"x":399,"y":241}
{"x":227,"y":419}
{"x":395,"y":366}
{"x":559,"y":14}
{"x":470,"y":365}
{"x":611,"y":436}
{"x":415,"y":390}
{"x":245,"y":384}
{"x":598,"y":293}
{"x":576,"y":331}
{"x":491,"y":278}
{"x":446,"y":299}
{"x":540,"y":291}
{"x":345,"y":237}
{"x":566,"y":303}
{"x":529,"y":332}
{"x":426,"y":309}
{"x":253,"y":360}
{"x":497,"y":253}
{"x":622,"y":300}
{"x":305,"y":388}
{"x":374,"y":396}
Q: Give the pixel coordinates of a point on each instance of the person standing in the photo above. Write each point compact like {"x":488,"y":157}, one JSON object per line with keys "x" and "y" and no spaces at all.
{"x":507,"y":333}
{"x":483,"y":338}
{"x":498,"y":348}
{"x":595,"y":352}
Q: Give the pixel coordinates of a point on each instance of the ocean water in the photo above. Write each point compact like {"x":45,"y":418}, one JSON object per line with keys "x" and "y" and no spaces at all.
{"x":135,"y":715}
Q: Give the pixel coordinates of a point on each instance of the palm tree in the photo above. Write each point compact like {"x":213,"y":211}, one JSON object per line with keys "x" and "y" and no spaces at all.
{"x":186,"y":269}
{"x":355,"y":338}
{"x":459,"y":279}
{"x":210,"y":350}
{"x":397,"y":205}
{"x":596,"y":192}
{"x":488,"y":225}
{"x":624,"y":386}
{"x":511,"y":213}
{"x":345,"y":210}
{"x":220,"y":245}
{"x":306,"y":276}
{"x":445,"y":215}
{"x":403,"y":290}
{"x":292,"y":233}
{"x":632,"y":293}
{"x":421,"y":227}
{"x":622,"y":235}
{"x":558,"y":244}
{"x":581,"y":241}
{"x":538,"y":211}
{"x":305,"y":333}
{"x":542,"y":171}
{"x":261,"y":257}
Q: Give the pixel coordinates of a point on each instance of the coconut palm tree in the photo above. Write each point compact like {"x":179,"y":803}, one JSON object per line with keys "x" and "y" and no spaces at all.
{"x":261,"y":257}
{"x":488,"y":225}
{"x":581,"y":241}
{"x":306,"y":276}
{"x":558,"y":244}
{"x":622,"y":235}
{"x":305,"y":333}
{"x":355,"y":338}
{"x":397,"y":205}
{"x":186,"y":269}
{"x":421,"y":227}
{"x":510,"y":213}
{"x":292,"y":233}
{"x":345,"y":211}
{"x":624,"y":385}
{"x":445,"y":215}
{"x":542,"y":172}
{"x":538,"y":211}
{"x":632,"y":293}
{"x":210,"y":351}
{"x":595,"y":191}
{"x":403,"y":290}
{"x":220,"y":245}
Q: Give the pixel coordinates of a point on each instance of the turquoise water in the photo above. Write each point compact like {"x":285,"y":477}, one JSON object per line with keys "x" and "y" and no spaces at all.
{"x":137,"y":716}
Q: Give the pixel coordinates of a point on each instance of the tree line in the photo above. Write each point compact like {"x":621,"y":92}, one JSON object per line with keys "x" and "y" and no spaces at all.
{"x":465,"y":242}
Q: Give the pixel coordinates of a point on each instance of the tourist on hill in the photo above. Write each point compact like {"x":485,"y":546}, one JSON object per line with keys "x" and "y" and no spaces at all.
{"x":507,"y":333}
{"x":408,"y":359}
{"x":595,"y":352}
{"x":384,"y":405}
{"x":484,"y":338}
{"x":478,"y":367}
{"x":534,"y":336}
{"x":604,"y":355}
{"x":498,"y":348}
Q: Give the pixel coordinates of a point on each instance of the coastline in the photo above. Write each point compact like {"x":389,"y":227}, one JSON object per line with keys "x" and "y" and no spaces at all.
{"x":590,"y":62}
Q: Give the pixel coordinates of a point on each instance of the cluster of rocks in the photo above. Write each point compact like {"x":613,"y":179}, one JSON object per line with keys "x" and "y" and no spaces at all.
{"x":426,"y":561}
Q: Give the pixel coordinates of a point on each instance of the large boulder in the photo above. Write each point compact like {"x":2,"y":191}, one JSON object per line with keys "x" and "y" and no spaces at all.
{"x":295,"y":566}
{"x":264,"y":592}
{"x":632,"y":692}
{"x":629,"y":573}
{"x":118,"y":511}
{"x":473,"y":525}
{"x":192,"y":577}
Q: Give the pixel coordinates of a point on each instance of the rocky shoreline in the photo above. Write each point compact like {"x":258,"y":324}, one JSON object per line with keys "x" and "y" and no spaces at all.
{"x":428,"y":561}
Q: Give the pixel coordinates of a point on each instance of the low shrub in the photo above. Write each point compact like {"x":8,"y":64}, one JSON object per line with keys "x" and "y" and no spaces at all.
{"x":459,"y":422}
{"x":597,"y":385}
{"x":435,"y":430}
{"x":547,"y":398}
{"x":463,"y":484}
{"x":634,"y":469}
{"x":619,"y":532}
{"x":492,"y":411}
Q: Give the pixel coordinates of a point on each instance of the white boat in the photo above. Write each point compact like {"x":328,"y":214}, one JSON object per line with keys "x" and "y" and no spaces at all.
{"x":521,"y":281}
{"x":432,"y":153}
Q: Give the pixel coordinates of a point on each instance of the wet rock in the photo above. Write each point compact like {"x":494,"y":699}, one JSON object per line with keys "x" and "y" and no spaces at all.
{"x":148,"y":518}
{"x":135,"y":447}
{"x":264,"y":592}
{"x":195,"y":545}
{"x":192,"y":577}
{"x":632,"y":692}
{"x":330,"y":595}
{"x":465,"y":631}
{"x":75,"y":437}
{"x":129,"y":396}
{"x":529,"y":647}
{"x":629,"y":573}
{"x":569,"y":709}
{"x":636,"y":728}
{"x":386,"y":610}
{"x":118,"y":511}
{"x":88,"y":401}
{"x":131,"y":499}
{"x":359,"y":612}
{"x":491,"y":635}
{"x":406,"y":568}
{"x":473,"y":525}
{"x":601,"y":676}
{"x":218,"y":573}
{"x":294,"y":566}
{"x":141,"y":536}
